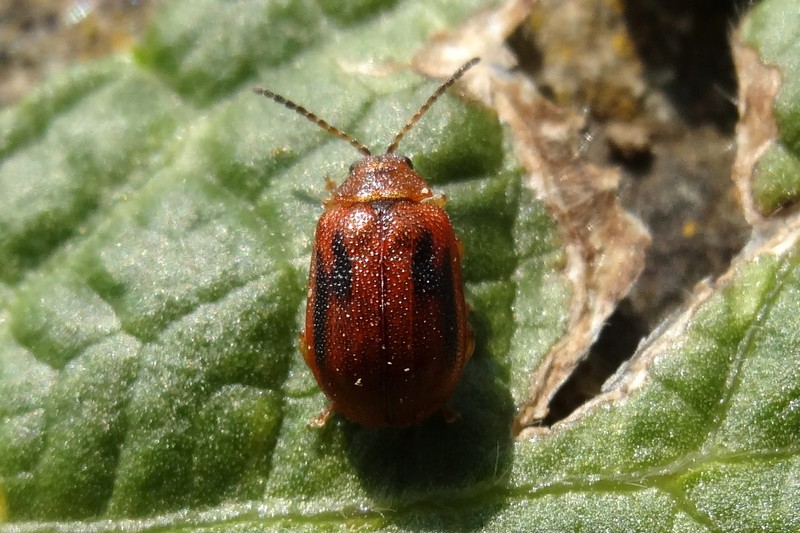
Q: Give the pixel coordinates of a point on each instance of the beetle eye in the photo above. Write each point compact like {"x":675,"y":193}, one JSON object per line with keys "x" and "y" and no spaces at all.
{"x":352,"y":167}
{"x":408,"y":162}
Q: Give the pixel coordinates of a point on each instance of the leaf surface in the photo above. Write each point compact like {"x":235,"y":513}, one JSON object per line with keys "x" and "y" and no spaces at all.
{"x":155,"y":232}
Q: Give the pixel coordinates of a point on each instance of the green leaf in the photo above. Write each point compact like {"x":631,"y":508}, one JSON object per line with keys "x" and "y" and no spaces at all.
{"x":772,"y":29}
{"x":155,"y":234}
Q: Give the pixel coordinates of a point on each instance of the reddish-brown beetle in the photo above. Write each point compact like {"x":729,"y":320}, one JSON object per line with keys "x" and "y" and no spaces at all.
{"x":386,"y":332}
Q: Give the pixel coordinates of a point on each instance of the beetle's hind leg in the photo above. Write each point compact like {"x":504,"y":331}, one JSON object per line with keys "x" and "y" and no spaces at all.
{"x":322,"y":418}
{"x":450,"y":415}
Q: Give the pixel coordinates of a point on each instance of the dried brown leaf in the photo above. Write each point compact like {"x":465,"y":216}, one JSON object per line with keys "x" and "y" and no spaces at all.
{"x":604,"y":244}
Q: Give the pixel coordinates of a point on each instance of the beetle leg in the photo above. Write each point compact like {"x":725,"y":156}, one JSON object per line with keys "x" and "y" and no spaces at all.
{"x":470,"y":348}
{"x":450,"y":415}
{"x":322,"y":418}
{"x":301,"y":341}
{"x":330,"y":185}
{"x":439,"y":200}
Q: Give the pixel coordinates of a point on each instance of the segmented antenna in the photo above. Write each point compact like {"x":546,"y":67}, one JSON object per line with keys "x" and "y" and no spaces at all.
{"x":345,"y":136}
{"x":422,"y":110}
{"x":313,"y":118}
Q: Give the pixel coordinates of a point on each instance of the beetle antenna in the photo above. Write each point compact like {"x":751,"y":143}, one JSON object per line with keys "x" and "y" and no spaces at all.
{"x":427,"y":105}
{"x":313,"y":118}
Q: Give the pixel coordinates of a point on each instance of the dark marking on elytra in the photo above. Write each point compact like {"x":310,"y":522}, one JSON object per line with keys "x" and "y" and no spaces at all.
{"x":341,"y":277}
{"x":320,"y":304}
{"x":427,"y":278}
{"x":436,"y":281}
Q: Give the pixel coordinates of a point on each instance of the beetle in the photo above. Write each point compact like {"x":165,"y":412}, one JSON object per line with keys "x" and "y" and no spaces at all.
{"x":386,"y":333}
